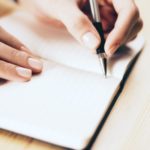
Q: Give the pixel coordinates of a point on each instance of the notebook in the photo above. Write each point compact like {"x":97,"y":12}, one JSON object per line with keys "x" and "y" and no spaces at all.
{"x":66,"y":102}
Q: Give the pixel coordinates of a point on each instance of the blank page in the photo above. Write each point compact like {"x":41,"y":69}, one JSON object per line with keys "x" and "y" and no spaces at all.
{"x":57,"y":45}
{"x":64,"y":104}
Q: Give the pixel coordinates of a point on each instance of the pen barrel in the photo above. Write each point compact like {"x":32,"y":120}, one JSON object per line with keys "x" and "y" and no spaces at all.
{"x":99,"y":28}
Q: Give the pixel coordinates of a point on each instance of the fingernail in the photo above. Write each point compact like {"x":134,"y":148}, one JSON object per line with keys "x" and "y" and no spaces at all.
{"x":111,"y":51}
{"x":90,"y":40}
{"x":26,"y":73}
{"x":34,"y":63}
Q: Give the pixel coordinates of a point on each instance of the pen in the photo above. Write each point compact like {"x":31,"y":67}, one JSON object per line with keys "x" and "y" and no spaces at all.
{"x":98,"y":25}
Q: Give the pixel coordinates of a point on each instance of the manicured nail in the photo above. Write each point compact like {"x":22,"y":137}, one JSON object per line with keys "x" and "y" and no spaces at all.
{"x":90,"y":40}
{"x":34,"y":63}
{"x":111,"y":51}
{"x":26,"y":73}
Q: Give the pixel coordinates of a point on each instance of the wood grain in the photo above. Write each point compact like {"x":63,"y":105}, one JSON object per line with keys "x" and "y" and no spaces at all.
{"x":12,"y":141}
{"x":128,"y":126}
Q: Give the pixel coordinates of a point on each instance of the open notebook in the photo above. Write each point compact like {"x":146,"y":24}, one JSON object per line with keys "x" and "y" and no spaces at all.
{"x":64,"y":104}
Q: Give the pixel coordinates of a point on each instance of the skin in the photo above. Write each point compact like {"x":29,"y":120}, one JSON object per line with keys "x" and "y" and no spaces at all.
{"x":120,"y":19}
{"x":14,"y":59}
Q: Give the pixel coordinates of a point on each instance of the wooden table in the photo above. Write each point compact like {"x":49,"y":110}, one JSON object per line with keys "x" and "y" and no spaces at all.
{"x":127,"y":127}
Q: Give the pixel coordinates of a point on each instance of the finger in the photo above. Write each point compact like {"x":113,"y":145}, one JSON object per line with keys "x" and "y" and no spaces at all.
{"x":20,"y":58}
{"x":107,"y":13}
{"x":79,"y":26}
{"x":10,"y":40}
{"x":108,"y":17}
{"x":48,"y":20}
{"x":137,"y":27}
{"x":127,"y":17}
{"x":104,"y":2}
{"x":73,"y":18}
{"x":14,"y":73}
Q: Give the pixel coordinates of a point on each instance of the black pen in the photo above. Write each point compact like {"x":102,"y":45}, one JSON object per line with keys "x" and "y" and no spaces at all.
{"x":98,"y":25}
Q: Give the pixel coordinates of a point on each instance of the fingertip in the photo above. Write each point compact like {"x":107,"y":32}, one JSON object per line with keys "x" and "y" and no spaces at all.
{"x":81,"y":28}
{"x":26,"y":79}
{"x":24,"y":74}
{"x":109,"y":54}
{"x":110,"y":50}
{"x":35,"y":64}
{"x":90,"y":40}
{"x":112,"y":44}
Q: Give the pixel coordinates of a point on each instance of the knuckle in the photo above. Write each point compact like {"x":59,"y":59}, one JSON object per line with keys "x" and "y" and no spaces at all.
{"x":13,"y":54}
{"x":2,"y":46}
{"x":1,"y":64}
{"x":22,"y":55}
{"x":141,"y":23}
{"x":19,"y":55}
{"x":82,"y":19}
{"x":5,"y":67}
{"x":8,"y":68}
{"x":135,"y":12}
{"x":80,"y":22}
{"x":1,"y":29}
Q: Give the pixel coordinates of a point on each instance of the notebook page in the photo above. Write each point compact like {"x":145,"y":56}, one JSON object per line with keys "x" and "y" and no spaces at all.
{"x":62,"y":105}
{"x":69,"y":98}
{"x":57,"y":45}
{"x":120,"y":62}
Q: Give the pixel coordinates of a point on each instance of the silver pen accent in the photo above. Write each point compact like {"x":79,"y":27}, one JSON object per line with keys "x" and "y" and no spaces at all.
{"x":98,"y":25}
{"x":95,"y":10}
{"x":103,"y":62}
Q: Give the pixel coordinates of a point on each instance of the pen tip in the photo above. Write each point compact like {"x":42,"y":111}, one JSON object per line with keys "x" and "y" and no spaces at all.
{"x":103,"y":63}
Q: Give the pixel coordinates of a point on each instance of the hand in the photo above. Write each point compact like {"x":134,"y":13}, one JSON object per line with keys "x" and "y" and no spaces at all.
{"x":16,"y":62}
{"x":120,"y":19}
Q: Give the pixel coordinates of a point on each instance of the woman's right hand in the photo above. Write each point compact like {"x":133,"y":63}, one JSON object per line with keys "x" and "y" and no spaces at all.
{"x":120,"y":20}
{"x":16,"y":61}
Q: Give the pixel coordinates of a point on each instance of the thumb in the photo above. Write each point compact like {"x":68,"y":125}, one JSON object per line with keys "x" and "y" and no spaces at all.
{"x":80,"y":27}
